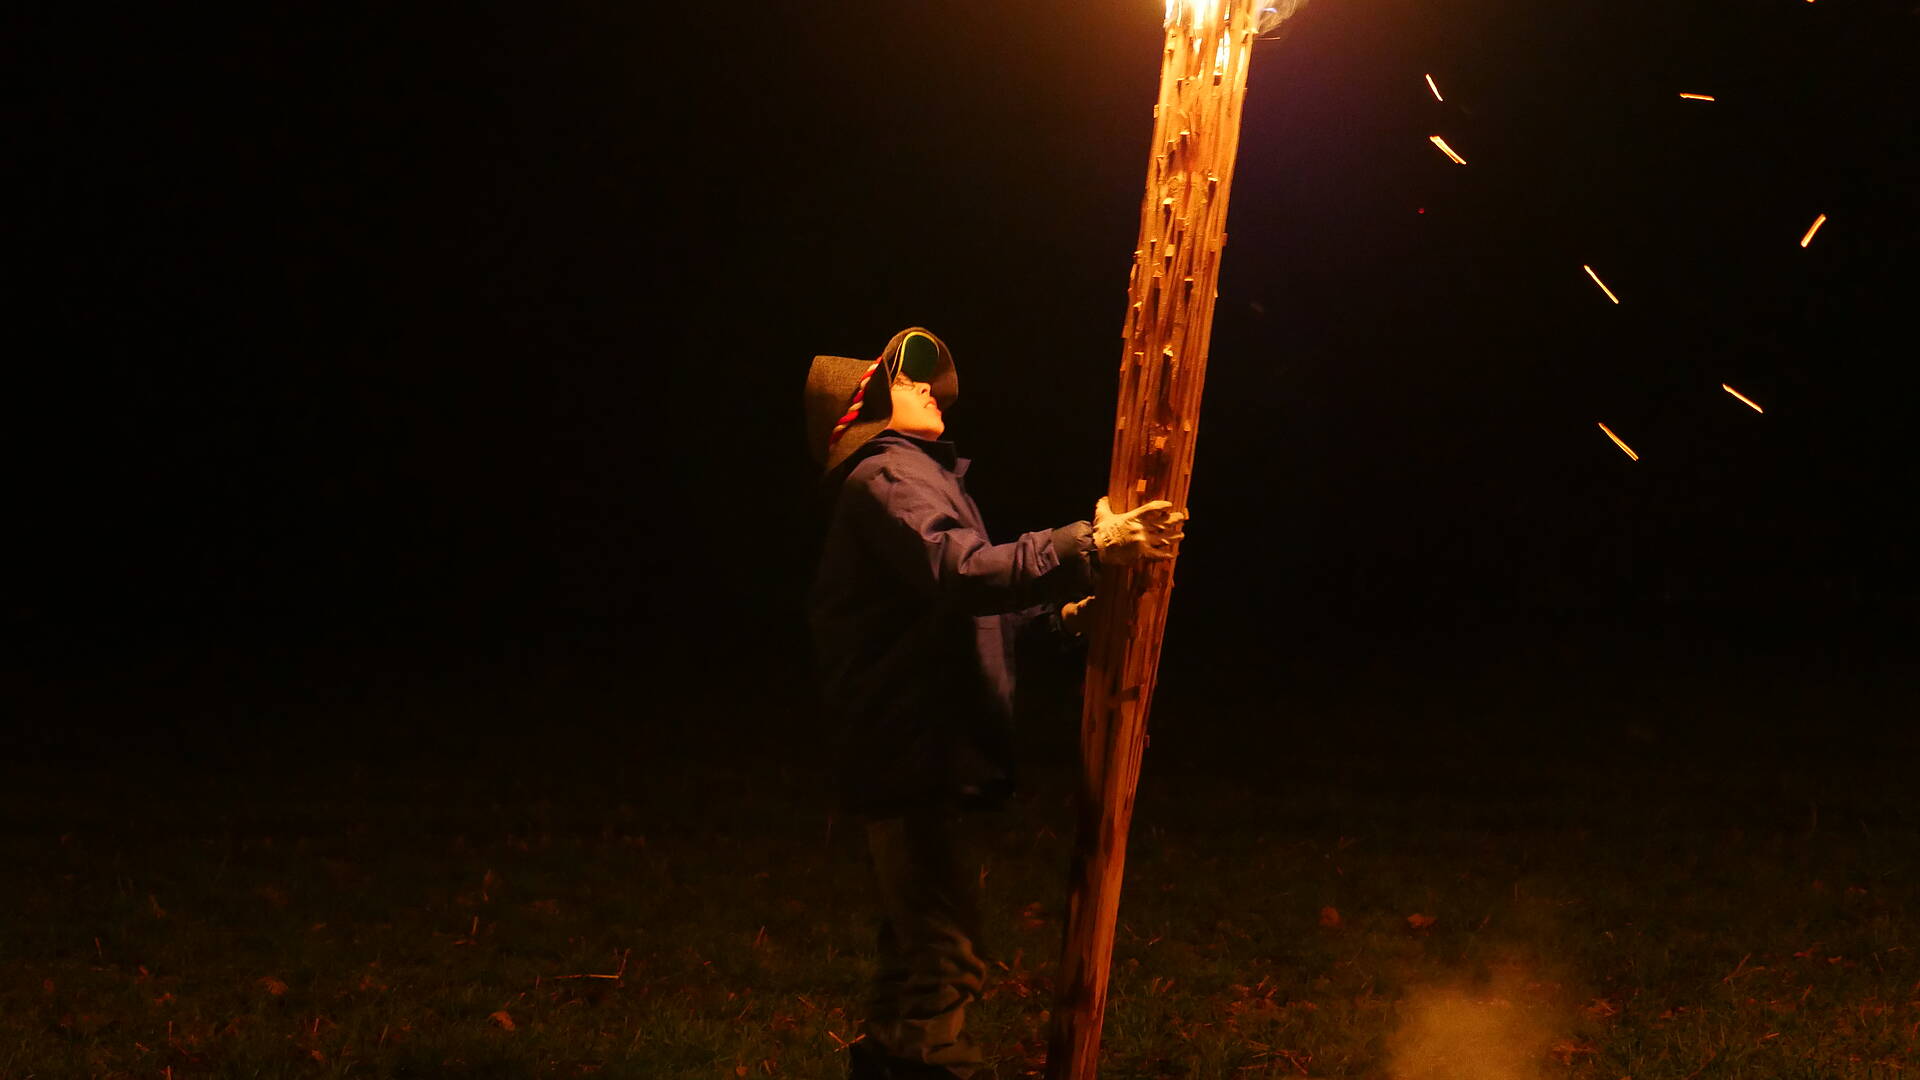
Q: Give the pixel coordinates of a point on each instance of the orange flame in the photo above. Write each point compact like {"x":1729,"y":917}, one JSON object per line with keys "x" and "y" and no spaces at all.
{"x":1597,"y":281}
{"x":1616,"y":441}
{"x":1201,"y":11}
{"x":1435,"y":89}
{"x":1742,"y":397}
{"x":1698,"y":97}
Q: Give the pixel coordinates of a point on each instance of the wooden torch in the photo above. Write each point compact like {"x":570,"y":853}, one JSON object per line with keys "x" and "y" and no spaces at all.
{"x":1196,"y":129}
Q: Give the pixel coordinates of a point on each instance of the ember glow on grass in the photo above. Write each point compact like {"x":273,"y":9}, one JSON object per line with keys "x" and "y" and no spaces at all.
{"x":1447,"y":150}
{"x":1628,"y":450}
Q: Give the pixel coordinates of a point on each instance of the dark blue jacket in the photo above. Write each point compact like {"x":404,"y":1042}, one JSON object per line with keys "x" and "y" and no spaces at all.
{"x":914,"y":612}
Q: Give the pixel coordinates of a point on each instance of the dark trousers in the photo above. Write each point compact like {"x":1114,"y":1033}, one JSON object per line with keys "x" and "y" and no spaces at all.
{"x":926,"y":871}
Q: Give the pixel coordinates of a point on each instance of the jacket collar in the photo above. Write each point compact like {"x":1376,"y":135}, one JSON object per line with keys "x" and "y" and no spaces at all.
{"x":940,"y":450}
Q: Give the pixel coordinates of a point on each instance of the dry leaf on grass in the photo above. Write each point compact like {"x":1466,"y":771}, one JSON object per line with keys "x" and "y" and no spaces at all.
{"x":504,"y":1021}
{"x":271,"y":985}
{"x":1330,"y":918}
{"x":1421,"y":922}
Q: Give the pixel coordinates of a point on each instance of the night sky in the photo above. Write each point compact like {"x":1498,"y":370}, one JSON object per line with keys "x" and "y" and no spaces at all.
{"x":353,"y":345}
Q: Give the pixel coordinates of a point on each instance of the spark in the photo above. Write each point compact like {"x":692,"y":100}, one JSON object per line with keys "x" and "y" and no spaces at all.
{"x":1597,"y":281}
{"x":1616,"y":441}
{"x":1750,"y":402}
{"x":1698,"y":97}
{"x":1813,"y":228}
{"x":1435,"y":89}
{"x":1445,"y":149}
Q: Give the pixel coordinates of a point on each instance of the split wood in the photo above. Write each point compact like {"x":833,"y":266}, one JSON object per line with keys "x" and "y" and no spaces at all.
{"x":1176,"y":270}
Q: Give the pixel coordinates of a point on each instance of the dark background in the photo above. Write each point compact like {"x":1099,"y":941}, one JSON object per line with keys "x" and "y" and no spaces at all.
{"x":440,"y":367}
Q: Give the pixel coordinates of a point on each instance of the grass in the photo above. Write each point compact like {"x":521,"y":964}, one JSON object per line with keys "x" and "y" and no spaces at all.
{"x":1647,"y":908}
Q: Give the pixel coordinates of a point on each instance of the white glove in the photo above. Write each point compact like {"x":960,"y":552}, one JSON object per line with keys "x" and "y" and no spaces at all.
{"x":1077,"y":615}
{"x":1152,"y":531}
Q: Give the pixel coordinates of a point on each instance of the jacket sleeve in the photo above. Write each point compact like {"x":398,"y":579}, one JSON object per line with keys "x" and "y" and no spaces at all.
{"x":1042,"y":627}
{"x":916,"y":533}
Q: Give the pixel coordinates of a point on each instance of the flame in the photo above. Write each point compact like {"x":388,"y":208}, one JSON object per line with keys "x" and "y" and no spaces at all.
{"x":1445,"y":149}
{"x":1813,"y":228}
{"x":1199,"y":10}
{"x":1698,"y":97}
{"x":1742,"y":397}
{"x":1435,"y":89}
{"x":1628,"y":450}
{"x":1597,"y":281}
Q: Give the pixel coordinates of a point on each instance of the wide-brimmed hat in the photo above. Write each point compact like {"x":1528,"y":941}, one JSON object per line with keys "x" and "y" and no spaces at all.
{"x":849,"y":401}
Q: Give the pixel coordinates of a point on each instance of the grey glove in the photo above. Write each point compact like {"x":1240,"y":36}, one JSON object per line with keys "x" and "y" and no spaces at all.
{"x":1151,"y":531}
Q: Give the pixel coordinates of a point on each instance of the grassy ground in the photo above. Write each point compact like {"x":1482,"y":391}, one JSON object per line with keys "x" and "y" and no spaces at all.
{"x":1351,"y":905}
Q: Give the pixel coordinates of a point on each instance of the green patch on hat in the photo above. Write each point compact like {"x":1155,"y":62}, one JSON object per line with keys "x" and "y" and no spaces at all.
{"x":919,"y":357}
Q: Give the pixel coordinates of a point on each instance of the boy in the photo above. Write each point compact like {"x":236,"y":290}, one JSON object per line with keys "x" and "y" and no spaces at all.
{"x":913,"y":613}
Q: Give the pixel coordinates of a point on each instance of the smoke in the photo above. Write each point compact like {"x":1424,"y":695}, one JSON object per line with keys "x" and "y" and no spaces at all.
{"x":1501,"y":1029}
{"x":1273,"y":14}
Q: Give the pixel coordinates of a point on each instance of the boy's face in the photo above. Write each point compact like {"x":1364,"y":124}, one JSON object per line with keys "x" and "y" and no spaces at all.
{"x":914,"y":410}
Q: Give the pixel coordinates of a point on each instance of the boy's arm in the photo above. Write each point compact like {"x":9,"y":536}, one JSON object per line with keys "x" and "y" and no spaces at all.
{"x":933,"y":551}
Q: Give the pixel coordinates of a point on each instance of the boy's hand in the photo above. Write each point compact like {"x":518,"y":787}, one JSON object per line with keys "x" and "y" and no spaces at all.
{"x":1077,"y":616}
{"x":1151,"y":531}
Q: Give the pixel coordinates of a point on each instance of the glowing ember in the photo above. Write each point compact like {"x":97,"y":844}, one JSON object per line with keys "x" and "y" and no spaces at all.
{"x":1597,"y":281}
{"x":1813,"y":228}
{"x":1447,"y":150}
{"x":1742,"y":397}
{"x":1698,"y":97}
{"x":1435,"y":89}
{"x":1628,"y":450}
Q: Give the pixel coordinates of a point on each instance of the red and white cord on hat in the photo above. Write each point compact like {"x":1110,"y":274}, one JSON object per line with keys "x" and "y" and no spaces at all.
{"x":853,"y":408}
